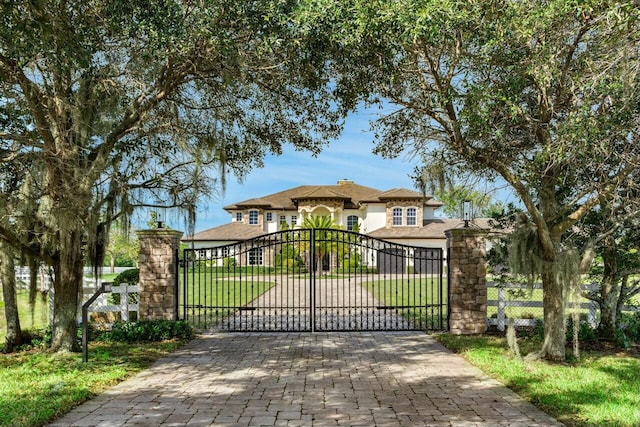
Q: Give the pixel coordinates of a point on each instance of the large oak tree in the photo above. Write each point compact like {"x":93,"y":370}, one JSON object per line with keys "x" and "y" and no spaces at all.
{"x":543,"y":94}
{"x":115,"y":105}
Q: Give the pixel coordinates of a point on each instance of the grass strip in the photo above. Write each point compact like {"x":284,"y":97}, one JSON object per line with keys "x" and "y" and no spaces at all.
{"x":596,"y":390}
{"x":36,"y":387}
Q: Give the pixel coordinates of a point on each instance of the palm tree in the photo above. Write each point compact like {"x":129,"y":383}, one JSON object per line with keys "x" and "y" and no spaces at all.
{"x":325,"y":240}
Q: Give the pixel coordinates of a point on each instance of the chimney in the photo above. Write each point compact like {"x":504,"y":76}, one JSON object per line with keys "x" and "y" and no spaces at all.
{"x":344,"y":181}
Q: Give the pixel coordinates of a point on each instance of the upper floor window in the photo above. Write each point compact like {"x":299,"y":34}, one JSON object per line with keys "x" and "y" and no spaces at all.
{"x":411,"y":216}
{"x":269,"y":216}
{"x":397,"y":216}
{"x":239,"y":216}
{"x":352,"y":223}
{"x":253,"y":217}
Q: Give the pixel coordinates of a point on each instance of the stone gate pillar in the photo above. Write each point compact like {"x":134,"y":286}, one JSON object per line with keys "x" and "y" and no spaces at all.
{"x":467,"y":285}
{"x":158,"y":273}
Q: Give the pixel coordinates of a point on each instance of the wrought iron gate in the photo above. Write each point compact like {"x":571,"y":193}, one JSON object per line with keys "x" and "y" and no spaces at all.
{"x":314,"y":280}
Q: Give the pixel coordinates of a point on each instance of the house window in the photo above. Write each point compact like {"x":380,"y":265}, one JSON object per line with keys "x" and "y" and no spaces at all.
{"x":202,"y":253}
{"x":255,"y":256}
{"x":225,"y":251}
{"x":397,"y":216}
{"x":411,"y":216}
{"x":253,"y":217}
{"x":294,"y":220}
{"x":269,"y":216}
{"x":283,"y":219}
{"x":239,"y":216}
{"x":352,"y":222}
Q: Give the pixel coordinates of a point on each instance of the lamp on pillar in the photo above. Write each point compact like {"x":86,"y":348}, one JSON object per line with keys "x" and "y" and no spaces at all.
{"x":467,"y":209}
{"x":160,"y":217}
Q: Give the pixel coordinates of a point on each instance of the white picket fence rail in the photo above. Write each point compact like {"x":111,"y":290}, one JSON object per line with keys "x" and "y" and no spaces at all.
{"x":503,"y":303}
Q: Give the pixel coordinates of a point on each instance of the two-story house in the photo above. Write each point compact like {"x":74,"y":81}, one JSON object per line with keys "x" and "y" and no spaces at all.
{"x":397,"y":215}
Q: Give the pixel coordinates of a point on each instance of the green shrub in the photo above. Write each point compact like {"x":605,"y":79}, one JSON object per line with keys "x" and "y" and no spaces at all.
{"x":288,"y":264}
{"x":350,"y":264}
{"x":229,"y":262}
{"x":630,"y":326}
{"x":358,"y":269}
{"x":131,"y":277}
{"x":149,"y":331}
{"x":35,"y":338}
{"x":585,"y":331}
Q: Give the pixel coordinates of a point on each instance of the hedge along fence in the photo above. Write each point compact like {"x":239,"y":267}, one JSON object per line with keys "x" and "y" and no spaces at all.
{"x":523,"y":303}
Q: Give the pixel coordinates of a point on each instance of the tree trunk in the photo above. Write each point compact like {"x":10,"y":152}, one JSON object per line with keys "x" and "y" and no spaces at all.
{"x":609,"y":289}
{"x":68,"y":287}
{"x":555,"y":337}
{"x":610,"y":294}
{"x":34,"y":269}
{"x":8,"y":279}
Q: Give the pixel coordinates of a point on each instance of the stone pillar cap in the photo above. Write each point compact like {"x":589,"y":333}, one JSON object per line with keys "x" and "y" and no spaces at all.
{"x":159,"y":232}
{"x":466,"y":231}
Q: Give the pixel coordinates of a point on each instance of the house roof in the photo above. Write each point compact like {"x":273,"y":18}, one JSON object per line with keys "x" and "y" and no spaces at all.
{"x":400,"y":193}
{"x":320,"y":193}
{"x":431,"y":229}
{"x":254,"y":202}
{"x":351,"y":193}
{"x":233,"y":231}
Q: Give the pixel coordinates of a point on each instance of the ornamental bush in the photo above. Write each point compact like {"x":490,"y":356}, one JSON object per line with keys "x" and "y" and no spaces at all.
{"x":149,"y":331}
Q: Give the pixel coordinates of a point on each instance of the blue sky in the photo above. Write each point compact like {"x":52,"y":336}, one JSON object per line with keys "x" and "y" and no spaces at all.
{"x":348,"y":157}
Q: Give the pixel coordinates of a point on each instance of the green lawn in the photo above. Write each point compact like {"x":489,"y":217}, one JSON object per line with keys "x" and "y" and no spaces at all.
{"x":407,"y":292}
{"x":36,"y":387}
{"x":597,"y":390}
{"x":211,"y":298}
{"x":39,"y":319}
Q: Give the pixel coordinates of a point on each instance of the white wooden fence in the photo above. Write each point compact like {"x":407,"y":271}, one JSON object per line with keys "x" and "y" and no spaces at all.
{"x":504,"y":302}
{"x":102,"y":305}
{"x":23,"y":276}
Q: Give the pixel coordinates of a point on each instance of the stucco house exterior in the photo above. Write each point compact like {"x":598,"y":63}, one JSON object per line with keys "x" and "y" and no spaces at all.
{"x":398,"y":215}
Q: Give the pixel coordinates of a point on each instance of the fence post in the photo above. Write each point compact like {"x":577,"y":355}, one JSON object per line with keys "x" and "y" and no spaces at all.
{"x":158,"y":266}
{"x":502,"y":302}
{"x":124,"y":315}
{"x":593,"y":314}
{"x":467,"y":280}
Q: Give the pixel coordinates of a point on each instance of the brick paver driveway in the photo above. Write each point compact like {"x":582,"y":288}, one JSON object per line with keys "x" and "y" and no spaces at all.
{"x":304,"y":379}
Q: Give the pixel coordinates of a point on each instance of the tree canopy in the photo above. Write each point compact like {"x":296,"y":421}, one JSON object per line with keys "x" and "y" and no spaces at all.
{"x":106,"y":106}
{"x":543,"y":94}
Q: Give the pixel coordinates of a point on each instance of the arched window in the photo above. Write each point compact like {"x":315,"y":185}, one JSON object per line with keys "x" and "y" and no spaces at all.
{"x":397,"y":216}
{"x":411,"y":216}
{"x":352,"y":223}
